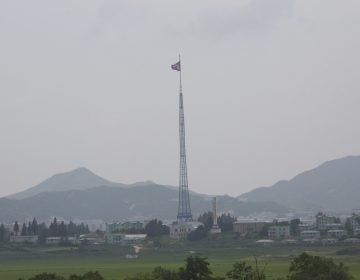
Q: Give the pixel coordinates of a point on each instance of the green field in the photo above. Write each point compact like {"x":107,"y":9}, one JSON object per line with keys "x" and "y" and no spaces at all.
{"x":25,"y":261}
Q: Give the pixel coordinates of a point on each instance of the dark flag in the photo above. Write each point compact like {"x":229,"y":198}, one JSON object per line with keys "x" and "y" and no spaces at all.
{"x":176,"y":66}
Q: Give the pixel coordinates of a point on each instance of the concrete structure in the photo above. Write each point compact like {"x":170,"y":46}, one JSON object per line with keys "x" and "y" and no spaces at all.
{"x":58,"y":240}
{"x":134,"y":238}
{"x":114,"y":238}
{"x":24,"y":239}
{"x":357,"y":231}
{"x":265,"y":241}
{"x":324,"y":222}
{"x":54,"y":240}
{"x":310,"y":234}
{"x":91,"y":238}
{"x":279,"y":232}
{"x":352,"y":240}
{"x":329,"y":241}
{"x":125,"y":239}
{"x":124,"y":226}
{"x":248,"y":227}
{"x":336,"y":233}
{"x":182,"y":229}
{"x":215,"y":228}
{"x":305,"y":227}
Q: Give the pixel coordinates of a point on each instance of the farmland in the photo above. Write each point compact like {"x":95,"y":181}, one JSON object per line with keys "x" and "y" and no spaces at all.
{"x":25,"y":261}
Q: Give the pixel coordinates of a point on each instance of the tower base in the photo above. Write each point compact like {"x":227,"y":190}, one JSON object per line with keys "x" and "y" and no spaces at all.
{"x":181,"y":230}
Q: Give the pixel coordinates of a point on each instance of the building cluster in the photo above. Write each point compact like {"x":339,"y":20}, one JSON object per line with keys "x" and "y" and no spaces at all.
{"x":324,"y":228}
{"x":129,"y":232}
{"x":125,"y":232}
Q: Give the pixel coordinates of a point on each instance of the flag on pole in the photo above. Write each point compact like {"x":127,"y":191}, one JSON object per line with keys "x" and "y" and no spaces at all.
{"x":176,"y":66}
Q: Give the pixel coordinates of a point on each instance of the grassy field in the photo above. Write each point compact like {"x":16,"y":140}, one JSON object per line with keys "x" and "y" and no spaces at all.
{"x":25,"y":261}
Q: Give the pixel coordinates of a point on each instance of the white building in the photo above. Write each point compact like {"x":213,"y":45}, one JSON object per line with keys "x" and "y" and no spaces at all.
{"x":24,"y":239}
{"x":54,"y":240}
{"x":181,"y":230}
{"x":336,"y":233}
{"x":248,"y":227}
{"x":279,"y":232}
{"x":310,"y":234}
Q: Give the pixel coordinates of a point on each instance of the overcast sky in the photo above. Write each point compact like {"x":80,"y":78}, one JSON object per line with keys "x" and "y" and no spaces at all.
{"x":271,"y":88}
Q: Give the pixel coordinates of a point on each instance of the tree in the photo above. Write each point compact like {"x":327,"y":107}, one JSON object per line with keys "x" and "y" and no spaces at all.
{"x":198,"y":234}
{"x":35,"y":227}
{"x":243,"y":271}
{"x":62,"y":229}
{"x":207,"y":220}
{"x":54,"y":228}
{"x":225,"y":222}
{"x":264,"y":230}
{"x":43,"y":232}
{"x":155,"y":228}
{"x":16,"y":228}
{"x":240,"y":271}
{"x":23,"y":230}
{"x":306,"y":267}
{"x":196,"y":268}
{"x":2,"y":233}
{"x":160,"y":273}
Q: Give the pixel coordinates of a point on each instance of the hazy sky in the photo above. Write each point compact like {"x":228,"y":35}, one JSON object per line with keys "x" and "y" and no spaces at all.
{"x":271,"y":88}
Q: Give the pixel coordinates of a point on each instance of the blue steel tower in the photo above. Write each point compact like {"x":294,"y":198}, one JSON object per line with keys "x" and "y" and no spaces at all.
{"x":184,"y":209}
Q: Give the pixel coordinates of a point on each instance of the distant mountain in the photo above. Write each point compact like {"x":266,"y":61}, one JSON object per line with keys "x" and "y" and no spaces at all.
{"x":78,"y":179}
{"x":334,"y":185}
{"x":114,"y":203}
{"x":81,"y":194}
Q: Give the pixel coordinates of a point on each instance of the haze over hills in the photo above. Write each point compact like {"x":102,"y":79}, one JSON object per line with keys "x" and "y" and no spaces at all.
{"x":116,"y":203}
{"x":334,"y":185}
{"x":81,"y":194}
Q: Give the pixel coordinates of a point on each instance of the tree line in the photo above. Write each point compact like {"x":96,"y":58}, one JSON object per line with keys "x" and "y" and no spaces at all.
{"x":225,"y":223}
{"x":55,"y":229}
{"x":302,"y":267}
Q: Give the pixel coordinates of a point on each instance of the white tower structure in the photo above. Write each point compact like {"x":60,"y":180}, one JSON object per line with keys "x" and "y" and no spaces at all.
{"x":215,"y":228}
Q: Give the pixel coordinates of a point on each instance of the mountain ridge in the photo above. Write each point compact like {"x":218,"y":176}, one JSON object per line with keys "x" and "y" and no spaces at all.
{"x":333,"y":185}
{"x":113,"y":203}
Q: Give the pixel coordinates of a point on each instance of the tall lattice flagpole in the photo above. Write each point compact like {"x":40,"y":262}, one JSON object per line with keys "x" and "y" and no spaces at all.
{"x":184,"y":209}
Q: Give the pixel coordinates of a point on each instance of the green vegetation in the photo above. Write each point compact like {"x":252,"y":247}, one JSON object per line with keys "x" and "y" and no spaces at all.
{"x":24,"y":261}
{"x":303,"y":267}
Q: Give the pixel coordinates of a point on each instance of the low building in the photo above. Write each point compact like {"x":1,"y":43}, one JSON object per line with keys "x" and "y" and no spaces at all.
{"x":114,"y":238}
{"x":55,"y":240}
{"x":265,"y":241}
{"x":329,"y":241}
{"x":279,"y":232}
{"x":91,"y":238}
{"x":134,"y":238}
{"x":336,"y":233}
{"x":24,"y":239}
{"x":310,"y":234}
{"x":124,"y":239}
{"x":305,"y":227}
{"x":248,"y":227}
{"x":124,"y":227}
{"x":352,"y":240}
{"x":181,"y":230}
